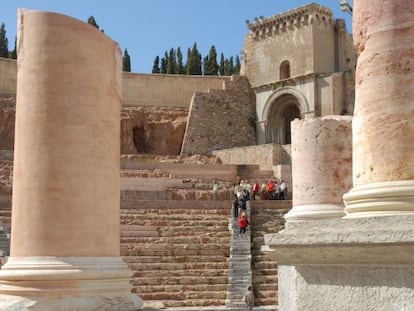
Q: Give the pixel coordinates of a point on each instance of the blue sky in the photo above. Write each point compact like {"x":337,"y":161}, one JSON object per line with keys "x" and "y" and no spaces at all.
{"x":148,"y":28}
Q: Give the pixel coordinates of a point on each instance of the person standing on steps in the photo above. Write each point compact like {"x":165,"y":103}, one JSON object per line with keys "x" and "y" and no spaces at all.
{"x":243,"y":221}
{"x":248,"y":298}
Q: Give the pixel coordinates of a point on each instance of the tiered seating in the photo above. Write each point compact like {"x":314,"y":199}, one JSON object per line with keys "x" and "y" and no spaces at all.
{"x":267,"y":217}
{"x":178,"y":250}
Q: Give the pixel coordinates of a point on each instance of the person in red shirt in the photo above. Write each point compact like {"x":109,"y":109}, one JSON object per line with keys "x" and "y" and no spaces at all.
{"x":243,"y":221}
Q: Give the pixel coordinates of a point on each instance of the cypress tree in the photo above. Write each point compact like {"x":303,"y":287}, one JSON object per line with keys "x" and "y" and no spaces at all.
{"x":172,"y":62}
{"x":156,"y":66}
{"x":163,"y":66}
{"x":194,"y":63}
{"x":92,"y":21}
{"x":126,"y":62}
{"x":13,"y":53}
{"x":237,"y":66}
{"x":4,"y":43}
{"x":188,"y":61}
{"x":212,"y":67}
{"x":180,"y":65}
{"x":221,"y":66}
{"x":205,"y":64}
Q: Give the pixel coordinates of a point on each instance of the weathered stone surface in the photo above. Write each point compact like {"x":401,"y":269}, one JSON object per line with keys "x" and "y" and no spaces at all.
{"x":321,"y":167}
{"x":152,"y":130}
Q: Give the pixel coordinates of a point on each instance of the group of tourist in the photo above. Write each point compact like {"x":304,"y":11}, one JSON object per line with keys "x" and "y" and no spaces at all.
{"x":273,"y":189}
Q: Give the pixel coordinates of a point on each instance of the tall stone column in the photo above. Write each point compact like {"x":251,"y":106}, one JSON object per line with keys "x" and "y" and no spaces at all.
{"x":66,"y":193}
{"x":383,"y":125}
{"x":321,"y":167}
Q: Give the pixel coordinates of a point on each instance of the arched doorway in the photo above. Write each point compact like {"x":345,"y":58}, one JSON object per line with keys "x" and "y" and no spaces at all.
{"x":283,"y":110}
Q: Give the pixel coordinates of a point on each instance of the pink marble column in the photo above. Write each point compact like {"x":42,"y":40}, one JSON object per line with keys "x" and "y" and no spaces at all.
{"x":383,"y":125}
{"x":321,"y":167}
{"x":66,"y":194}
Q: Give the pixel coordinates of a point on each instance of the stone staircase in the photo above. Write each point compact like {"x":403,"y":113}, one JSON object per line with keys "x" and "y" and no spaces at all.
{"x":178,"y":250}
{"x":266,"y":217}
{"x":240,"y":274}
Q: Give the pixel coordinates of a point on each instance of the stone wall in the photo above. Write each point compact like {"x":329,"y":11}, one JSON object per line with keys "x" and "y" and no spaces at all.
{"x":266,"y":156}
{"x":165,"y":90}
{"x":7,"y":117}
{"x":152,"y":130}
{"x":8,"y":76}
{"x":289,"y":37}
{"x":137,"y":89}
{"x":221,"y":119}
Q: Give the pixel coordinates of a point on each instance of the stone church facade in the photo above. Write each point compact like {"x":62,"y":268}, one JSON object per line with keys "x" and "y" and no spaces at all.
{"x":300,"y":64}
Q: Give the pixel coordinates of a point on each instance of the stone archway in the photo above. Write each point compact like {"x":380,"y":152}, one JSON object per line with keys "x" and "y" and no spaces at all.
{"x":282,"y":107}
{"x":283,"y":111}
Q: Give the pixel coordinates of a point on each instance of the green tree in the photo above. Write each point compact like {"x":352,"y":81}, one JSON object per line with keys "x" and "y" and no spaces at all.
{"x":212,"y":67}
{"x":221,"y":66}
{"x":205,"y":63}
{"x":92,"y":21}
{"x":126,"y":61}
{"x":180,"y":65}
{"x":13,"y":53}
{"x":163,"y":66}
{"x":194,"y":62}
{"x":172,"y":62}
{"x":4,"y":43}
{"x":237,"y":66}
{"x":156,"y":66}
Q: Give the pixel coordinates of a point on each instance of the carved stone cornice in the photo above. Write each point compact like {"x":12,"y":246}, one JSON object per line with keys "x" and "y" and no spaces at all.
{"x":303,"y":16}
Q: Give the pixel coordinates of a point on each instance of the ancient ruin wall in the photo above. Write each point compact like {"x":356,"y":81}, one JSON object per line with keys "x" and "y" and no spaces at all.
{"x":221,"y":119}
{"x":152,"y":130}
{"x":8,"y":76}
{"x":165,"y":90}
{"x":137,"y":89}
{"x":266,"y":156}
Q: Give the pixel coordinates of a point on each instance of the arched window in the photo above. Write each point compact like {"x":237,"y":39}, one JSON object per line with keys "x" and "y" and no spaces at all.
{"x":284,"y":70}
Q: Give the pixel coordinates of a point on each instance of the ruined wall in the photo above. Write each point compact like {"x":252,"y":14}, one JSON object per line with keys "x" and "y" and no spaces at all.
{"x":152,"y":130}
{"x":221,"y":119}
{"x":165,"y":90}
{"x":266,"y":156}
{"x":7,"y":117}
{"x":8,"y":76}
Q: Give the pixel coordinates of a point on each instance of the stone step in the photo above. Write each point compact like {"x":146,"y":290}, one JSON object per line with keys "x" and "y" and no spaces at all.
{"x":180,"y":273}
{"x":176,"y":252}
{"x":180,"y":280}
{"x":179,"y":288}
{"x":139,"y":221}
{"x":206,"y":239}
{"x":158,"y":266}
{"x":176,"y":259}
{"x":173,"y":247}
{"x":207,"y":294}
{"x":175,"y":210}
{"x":196,"y":304}
{"x":262,"y":272}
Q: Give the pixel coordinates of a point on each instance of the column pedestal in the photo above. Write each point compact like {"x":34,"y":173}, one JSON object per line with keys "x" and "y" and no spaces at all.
{"x":66,"y":283}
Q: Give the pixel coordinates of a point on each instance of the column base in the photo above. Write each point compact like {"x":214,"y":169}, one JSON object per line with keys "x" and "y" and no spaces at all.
{"x":66,"y":283}
{"x":315,"y":212}
{"x":380,"y":199}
